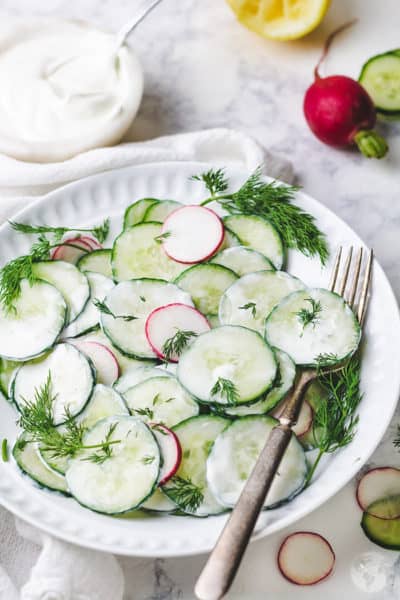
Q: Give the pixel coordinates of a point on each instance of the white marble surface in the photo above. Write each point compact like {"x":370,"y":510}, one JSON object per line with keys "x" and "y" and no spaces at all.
{"x":202,"y":70}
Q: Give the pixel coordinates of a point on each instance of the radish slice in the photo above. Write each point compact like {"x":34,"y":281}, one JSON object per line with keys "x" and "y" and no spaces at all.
{"x":104,"y":361}
{"x":305,"y":558}
{"x":382,"y":482}
{"x":192,"y":234}
{"x":304,"y":422}
{"x":164,"y":322}
{"x":71,"y":250}
{"x":171,"y":451}
{"x":91,"y":241}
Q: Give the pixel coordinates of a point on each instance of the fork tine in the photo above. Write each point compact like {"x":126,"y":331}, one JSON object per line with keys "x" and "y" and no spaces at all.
{"x":345,"y":275}
{"x":356,"y":276}
{"x":362,"y":306}
{"x":335,"y":270}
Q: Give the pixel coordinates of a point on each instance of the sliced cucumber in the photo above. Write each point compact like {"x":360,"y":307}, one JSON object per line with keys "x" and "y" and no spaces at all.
{"x":243,"y":260}
{"x":233,"y":353}
{"x":380,"y":76}
{"x":35,"y":324}
{"x":89,"y":318}
{"x":333,"y":334}
{"x":213,"y":320}
{"x":159,"y":502}
{"x":126,"y":363}
{"x":249,"y":301}
{"x":72,"y":381}
{"x":385,"y":529}
{"x":315,"y":394}
{"x":161,"y":400}
{"x":28,"y":459}
{"x":7,"y":372}
{"x":98,"y":261}
{"x":137,"y":252}
{"x":69,"y":280}
{"x":235,"y":453}
{"x":137,"y":298}
{"x":230,"y":239}
{"x":196,"y":436}
{"x":135,"y":212}
{"x":206,"y":283}
{"x":135,"y":376}
{"x":287,"y":373}
{"x":126,"y":478}
{"x":258,"y":234}
{"x":159,"y":212}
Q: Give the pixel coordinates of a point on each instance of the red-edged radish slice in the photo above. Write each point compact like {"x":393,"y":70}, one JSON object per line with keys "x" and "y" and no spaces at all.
{"x":304,"y":422}
{"x":305,"y":558}
{"x":171,"y":451}
{"x":104,"y":361}
{"x":164,"y":322}
{"x":377,"y":484}
{"x":192,"y":234}
{"x":71,"y":250}
{"x":91,"y":241}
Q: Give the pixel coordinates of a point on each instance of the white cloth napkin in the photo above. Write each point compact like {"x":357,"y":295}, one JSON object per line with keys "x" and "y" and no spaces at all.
{"x":62,"y":571}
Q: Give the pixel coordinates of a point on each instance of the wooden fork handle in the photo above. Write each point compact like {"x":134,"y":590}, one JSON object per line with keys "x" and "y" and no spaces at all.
{"x":224,"y":560}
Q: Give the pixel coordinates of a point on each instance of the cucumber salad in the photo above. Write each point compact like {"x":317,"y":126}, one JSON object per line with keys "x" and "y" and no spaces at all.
{"x":147,"y":371}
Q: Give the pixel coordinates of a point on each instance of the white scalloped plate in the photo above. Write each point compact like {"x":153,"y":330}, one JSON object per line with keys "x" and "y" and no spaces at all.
{"x":100,"y":196}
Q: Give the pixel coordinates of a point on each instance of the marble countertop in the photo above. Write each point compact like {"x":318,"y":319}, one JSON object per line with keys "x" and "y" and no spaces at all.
{"x":204,"y":70}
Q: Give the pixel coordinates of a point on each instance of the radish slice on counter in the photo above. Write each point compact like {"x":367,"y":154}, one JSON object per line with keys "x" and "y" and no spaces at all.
{"x":382,"y":482}
{"x":304,"y":422}
{"x":165,"y":323}
{"x":305,"y":558}
{"x":171,"y":451}
{"x":192,"y":234}
{"x":104,"y":361}
{"x":71,"y":250}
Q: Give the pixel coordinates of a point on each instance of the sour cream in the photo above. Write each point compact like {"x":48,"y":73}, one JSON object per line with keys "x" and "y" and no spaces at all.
{"x":64,"y":88}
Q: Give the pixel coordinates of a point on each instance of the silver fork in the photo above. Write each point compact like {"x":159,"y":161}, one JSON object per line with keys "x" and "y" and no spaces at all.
{"x":224,"y":560}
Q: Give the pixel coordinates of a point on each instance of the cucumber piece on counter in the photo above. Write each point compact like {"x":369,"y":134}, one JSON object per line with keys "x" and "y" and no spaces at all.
{"x":137,"y":298}
{"x":234,"y":454}
{"x":314,"y":326}
{"x":380,"y":76}
{"x":243,"y":260}
{"x":189,"y":488}
{"x":383,"y":530}
{"x":249,"y":301}
{"x":135,"y":212}
{"x":98,"y":261}
{"x":28,"y":459}
{"x":35,"y":324}
{"x":159,"y":212}
{"x":69,"y":280}
{"x":137,"y":252}
{"x":206,"y":283}
{"x":126,"y":477}
{"x":258,"y":234}
{"x":235,"y":355}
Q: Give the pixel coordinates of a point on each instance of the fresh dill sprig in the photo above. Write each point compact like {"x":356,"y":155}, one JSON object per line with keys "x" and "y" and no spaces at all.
{"x":225,"y":388}
{"x":158,"y":427}
{"x":250,"y":306}
{"x":144,"y":412}
{"x":335,"y":419}
{"x":396,"y":441}
{"x":100,"y":232}
{"x":163,"y":236}
{"x":4,"y":450}
{"x":106,"y":310}
{"x":185,"y":493}
{"x":148,"y":459}
{"x":175,"y":345}
{"x":273,"y":202}
{"x":310,"y":315}
{"x":105,"y":451}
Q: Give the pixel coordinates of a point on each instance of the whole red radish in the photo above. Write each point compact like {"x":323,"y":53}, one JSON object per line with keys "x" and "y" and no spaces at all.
{"x":340,"y":112}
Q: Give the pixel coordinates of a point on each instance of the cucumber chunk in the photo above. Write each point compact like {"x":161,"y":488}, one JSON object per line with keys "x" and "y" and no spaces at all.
{"x":258,"y":234}
{"x":196,"y":436}
{"x":137,"y":375}
{"x":230,"y":239}
{"x":206,"y":283}
{"x":123,"y":480}
{"x":36,"y":323}
{"x":383,"y":530}
{"x":135,"y":212}
{"x":233,"y":353}
{"x":137,"y":298}
{"x":249,"y":301}
{"x":159,"y":212}
{"x":69,"y":280}
{"x":137,"y":252}
{"x":332,"y":335}
{"x":243,"y":260}
{"x":161,"y":400}
{"x":234,"y":455}
{"x":28,"y":459}
{"x":98,"y":261}
{"x":8,"y":369}
{"x":159,"y":502}
{"x":380,"y":76}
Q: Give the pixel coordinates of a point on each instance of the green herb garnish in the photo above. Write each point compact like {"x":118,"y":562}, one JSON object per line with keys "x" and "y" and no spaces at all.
{"x":175,"y":345}
{"x":250,"y":306}
{"x":100,"y":232}
{"x":4,"y":450}
{"x":147,"y":459}
{"x":105,"y":451}
{"x":144,"y":412}
{"x":310,"y":315}
{"x":186,"y":494}
{"x":106,"y":310}
{"x":226,"y":389}
{"x":163,"y":236}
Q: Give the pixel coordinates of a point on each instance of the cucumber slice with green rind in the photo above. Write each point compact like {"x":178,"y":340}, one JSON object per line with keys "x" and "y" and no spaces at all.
{"x":385,"y":530}
{"x":230,"y":240}
{"x":137,"y":298}
{"x":233,"y":353}
{"x":258,"y":234}
{"x":159,"y":502}
{"x":69,"y":280}
{"x":138,"y":253}
{"x":135,"y":376}
{"x":206,"y":283}
{"x":28,"y":459}
{"x":243,"y":260}
{"x":249,"y":301}
{"x":161,"y":400}
{"x":35,"y":324}
{"x":332,"y":336}
{"x":380,"y":76}
{"x":98,"y":261}
{"x":126,"y":478}
{"x":234,"y":455}
{"x":8,"y":369}
{"x":159,"y":212}
{"x":196,"y":436}
{"x":135,"y":212}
